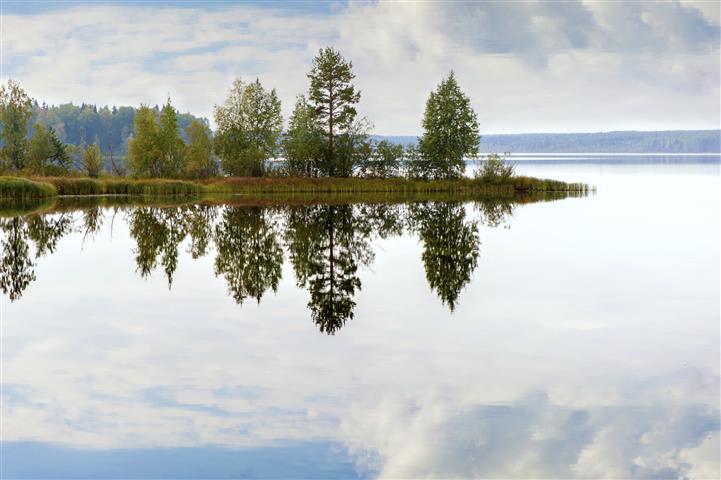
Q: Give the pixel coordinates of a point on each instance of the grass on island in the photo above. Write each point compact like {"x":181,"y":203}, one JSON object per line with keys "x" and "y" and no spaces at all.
{"x":14,"y":188}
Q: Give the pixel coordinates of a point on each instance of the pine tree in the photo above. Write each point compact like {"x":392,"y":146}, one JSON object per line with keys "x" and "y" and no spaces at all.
{"x":334,"y":98}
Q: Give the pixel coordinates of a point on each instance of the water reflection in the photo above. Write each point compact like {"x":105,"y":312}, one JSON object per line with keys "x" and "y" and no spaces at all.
{"x":249,"y":255}
{"x":326,"y":245}
{"x":17,"y":269}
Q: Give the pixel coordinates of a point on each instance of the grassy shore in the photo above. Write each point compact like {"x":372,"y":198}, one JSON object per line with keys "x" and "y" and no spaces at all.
{"x":15,"y":188}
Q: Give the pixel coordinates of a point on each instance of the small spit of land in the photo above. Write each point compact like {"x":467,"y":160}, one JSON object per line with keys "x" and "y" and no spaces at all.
{"x":19,"y":188}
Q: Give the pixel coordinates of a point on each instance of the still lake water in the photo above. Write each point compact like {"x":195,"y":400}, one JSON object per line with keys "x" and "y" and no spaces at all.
{"x":571,"y":338}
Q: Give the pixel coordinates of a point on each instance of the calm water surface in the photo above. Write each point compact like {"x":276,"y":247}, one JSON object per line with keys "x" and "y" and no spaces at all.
{"x":571,"y":338}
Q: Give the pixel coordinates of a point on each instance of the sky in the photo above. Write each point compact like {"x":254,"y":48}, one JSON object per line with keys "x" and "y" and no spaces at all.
{"x":574,"y":66}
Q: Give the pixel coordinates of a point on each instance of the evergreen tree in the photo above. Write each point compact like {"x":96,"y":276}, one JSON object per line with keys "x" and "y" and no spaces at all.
{"x":15,"y":112}
{"x":450,"y":131}
{"x":46,"y":153}
{"x":333,"y":97}
{"x":249,"y":127}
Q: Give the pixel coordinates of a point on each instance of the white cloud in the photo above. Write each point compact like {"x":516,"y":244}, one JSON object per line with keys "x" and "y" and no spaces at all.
{"x":527,"y":66}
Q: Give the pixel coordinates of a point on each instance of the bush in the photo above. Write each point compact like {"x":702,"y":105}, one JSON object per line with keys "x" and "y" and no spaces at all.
{"x":494,"y":169}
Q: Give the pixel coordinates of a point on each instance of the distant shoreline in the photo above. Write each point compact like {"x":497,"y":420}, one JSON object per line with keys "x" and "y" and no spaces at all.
{"x":664,"y":142}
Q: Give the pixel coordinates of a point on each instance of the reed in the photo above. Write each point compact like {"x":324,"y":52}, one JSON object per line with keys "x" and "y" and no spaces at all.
{"x":74,"y":185}
{"x":23,"y":189}
{"x":155,"y":187}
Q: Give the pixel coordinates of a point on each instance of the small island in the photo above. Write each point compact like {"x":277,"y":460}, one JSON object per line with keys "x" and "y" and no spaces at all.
{"x":325,"y":148}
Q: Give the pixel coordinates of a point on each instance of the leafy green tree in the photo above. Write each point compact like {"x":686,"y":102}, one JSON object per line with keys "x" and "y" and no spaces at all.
{"x":93,"y":160}
{"x":39,"y":149}
{"x":170,"y":146}
{"x":15,"y":113}
{"x":199,"y":151}
{"x":46,"y":153}
{"x":353,"y":148}
{"x":250,"y":257}
{"x":450,"y":130}
{"x":249,"y":127}
{"x":384,"y":160}
{"x":333,"y":97}
{"x":143,"y":149}
{"x":303,"y":141}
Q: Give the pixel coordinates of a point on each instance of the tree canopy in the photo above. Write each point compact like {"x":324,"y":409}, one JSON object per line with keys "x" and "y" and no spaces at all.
{"x":15,"y":113}
{"x":450,"y":131}
{"x":249,"y":125}
{"x":333,"y":97}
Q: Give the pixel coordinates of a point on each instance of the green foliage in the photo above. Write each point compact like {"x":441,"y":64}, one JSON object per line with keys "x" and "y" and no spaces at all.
{"x":110,"y":127}
{"x":157,"y":149}
{"x":143,"y":149}
{"x":171,"y":148}
{"x":333,"y":97}
{"x":151,"y":188}
{"x":199,"y":151}
{"x":303,"y":141}
{"x":353,"y":149}
{"x":15,"y":113}
{"x":450,"y":131}
{"x":46,"y":153}
{"x":384,"y":161}
{"x":75,"y":186}
{"x":494,"y":169}
{"x":249,"y":127}
{"x":23,"y":189}
{"x":93,"y":160}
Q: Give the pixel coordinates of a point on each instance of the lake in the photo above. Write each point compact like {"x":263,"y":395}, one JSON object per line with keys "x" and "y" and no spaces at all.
{"x":574,"y":337}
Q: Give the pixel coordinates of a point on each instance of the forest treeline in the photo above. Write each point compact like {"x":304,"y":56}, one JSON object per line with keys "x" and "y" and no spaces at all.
{"x":324,"y":136}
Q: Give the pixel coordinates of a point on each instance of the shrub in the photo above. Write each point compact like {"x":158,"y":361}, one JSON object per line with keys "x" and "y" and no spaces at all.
{"x":494,"y":169}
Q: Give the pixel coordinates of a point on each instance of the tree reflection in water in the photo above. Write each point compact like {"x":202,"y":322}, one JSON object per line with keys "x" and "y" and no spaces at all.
{"x":326,"y":245}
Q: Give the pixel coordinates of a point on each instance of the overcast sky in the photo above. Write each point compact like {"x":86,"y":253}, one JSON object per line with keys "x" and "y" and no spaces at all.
{"x":527,"y":66}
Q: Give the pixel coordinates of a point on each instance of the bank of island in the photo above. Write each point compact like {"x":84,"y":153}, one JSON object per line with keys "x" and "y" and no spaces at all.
{"x":324,"y":148}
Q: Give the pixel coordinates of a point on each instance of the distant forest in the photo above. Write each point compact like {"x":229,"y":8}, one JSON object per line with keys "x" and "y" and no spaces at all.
{"x":671,"y":141}
{"x":109,"y":126}
{"x":112,"y":126}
